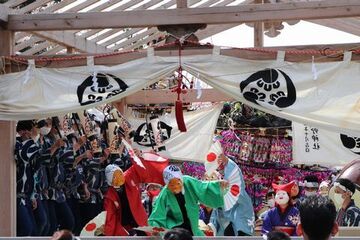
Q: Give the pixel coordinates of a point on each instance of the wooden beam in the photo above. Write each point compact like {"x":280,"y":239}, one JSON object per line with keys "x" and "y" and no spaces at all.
{"x":181,"y":3}
{"x":4,"y":15}
{"x":167,"y":96}
{"x":38,"y":48}
{"x":81,"y":43}
{"x":26,"y":43}
{"x":54,"y":50}
{"x":318,"y":51}
{"x":349,"y":25}
{"x":71,"y":40}
{"x":158,"y":34}
{"x":14,"y":3}
{"x":145,"y":41}
{"x":213,"y":29}
{"x":136,"y":38}
{"x":32,"y":6}
{"x":213,"y":15}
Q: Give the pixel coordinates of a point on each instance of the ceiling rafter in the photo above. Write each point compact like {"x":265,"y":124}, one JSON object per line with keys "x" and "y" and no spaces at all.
{"x":49,"y":36}
{"x":342,"y":24}
{"x":52,"y":8}
{"x":141,"y":7}
{"x":135,"y":30}
{"x":122,"y":36}
{"x":146,"y":41}
{"x":57,"y":6}
{"x":21,"y":35}
{"x":14,"y":3}
{"x":81,"y":6}
{"x":349,"y":25}
{"x":214,"y":15}
{"x":37,"y":48}
{"x":135,"y":38}
{"x":100,"y":7}
{"x":33,"y":6}
{"x":54,"y":50}
{"x":68,"y":38}
{"x":27,"y":43}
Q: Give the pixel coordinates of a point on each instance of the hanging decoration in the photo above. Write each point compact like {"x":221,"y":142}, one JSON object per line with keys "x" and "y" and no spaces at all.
{"x":180,"y":89}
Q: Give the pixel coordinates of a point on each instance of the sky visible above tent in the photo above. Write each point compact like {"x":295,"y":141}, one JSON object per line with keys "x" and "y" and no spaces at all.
{"x":302,"y":33}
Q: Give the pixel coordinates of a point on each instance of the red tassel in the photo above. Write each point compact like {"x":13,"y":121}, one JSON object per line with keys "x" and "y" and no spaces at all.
{"x":179,"y":116}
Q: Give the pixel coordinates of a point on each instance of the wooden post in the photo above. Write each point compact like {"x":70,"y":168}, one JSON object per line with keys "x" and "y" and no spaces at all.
{"x":259,"y":34}
{"x":6,"y":43}
{"x":7,"y":162}
{"x":7,"y":179}
{"x":181,"y":3}
{"x":70,"y":50}
{"x":259,"y":30}
{"x":120,"y":105}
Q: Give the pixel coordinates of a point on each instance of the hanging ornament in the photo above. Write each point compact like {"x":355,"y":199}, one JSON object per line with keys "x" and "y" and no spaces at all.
{"x":178,"y":104}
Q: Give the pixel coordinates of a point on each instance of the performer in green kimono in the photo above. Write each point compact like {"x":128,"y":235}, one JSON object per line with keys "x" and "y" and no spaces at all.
{"x":178,"y":203}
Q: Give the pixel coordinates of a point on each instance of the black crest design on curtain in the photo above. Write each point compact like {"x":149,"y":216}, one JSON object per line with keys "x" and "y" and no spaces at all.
{"x":352,"y":143}
{"x":144,"y":134}
{"x":263,"y":87}
{"x":97,"y":89}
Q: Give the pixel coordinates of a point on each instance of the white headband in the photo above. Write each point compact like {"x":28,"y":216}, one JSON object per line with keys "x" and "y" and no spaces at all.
{"x":171,"y":172}
{"x":324,"y":184}
{"x":311,"y":184}
{"x":337,"y":184}
{"x":109,"y":172}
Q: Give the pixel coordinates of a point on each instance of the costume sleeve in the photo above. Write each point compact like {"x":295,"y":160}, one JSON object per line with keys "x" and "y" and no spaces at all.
{"x":214,"y":223}
{"x":352,"y":217}
{"x":138,"y":173}
{"x":267,"y":225}
{"x":110,"y":222}
{"x":158,"y":214}
{"x":150,"y":173}
{"x":30,"y":152}
{"x":206,"y":192}
{"x":202,"y":214}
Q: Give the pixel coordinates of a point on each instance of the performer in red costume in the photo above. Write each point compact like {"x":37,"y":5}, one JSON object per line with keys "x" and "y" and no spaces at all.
{"x":123,"y":199}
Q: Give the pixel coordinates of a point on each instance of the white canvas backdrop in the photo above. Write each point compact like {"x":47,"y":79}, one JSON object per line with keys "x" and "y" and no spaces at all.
{"x":192,"y":145}
{"x":313,"y":145}
{"x":329,"y":100}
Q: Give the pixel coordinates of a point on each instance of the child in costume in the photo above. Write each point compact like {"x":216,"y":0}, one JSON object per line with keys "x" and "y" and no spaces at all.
{"x":178,"y":202}
{"x":239,"y":219}
{"x":284,"y":216}
{"x":122,"y":201}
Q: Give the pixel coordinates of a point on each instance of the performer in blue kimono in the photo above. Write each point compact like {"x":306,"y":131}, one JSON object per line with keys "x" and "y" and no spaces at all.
{"x":239,"y":220}
{"x":284,"y":216}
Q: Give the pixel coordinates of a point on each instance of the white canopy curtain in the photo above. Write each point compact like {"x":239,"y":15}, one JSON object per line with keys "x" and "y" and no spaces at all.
{"x":328,"y":99}
{"x":41,"y":92}
{"x":192,"y":145}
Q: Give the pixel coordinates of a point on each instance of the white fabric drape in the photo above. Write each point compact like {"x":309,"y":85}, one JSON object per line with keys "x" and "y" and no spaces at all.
{"x":192,"y":145}
{"x":313,"y":145}
{"x":41,"y":92}
{"x":281,"y":88}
